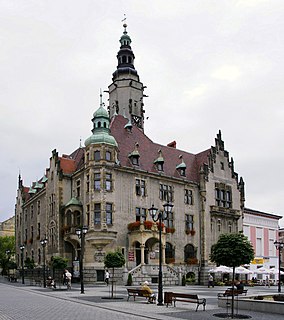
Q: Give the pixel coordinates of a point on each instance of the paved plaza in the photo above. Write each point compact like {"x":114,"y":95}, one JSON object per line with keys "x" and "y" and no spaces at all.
{"x":30,"y":302}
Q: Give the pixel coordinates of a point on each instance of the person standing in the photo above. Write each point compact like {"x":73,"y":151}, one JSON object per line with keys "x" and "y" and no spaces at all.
{"x":67,"y":276}
{"x":210,"y":281}
{"x":107,"y":277}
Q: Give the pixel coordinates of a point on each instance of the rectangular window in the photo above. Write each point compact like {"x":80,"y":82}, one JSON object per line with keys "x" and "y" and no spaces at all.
{"x":97,"y":181}
{"x":97,"y":213}
{"x":108,"y":155}
{"x":141,"y":214}
{"x":109,"y":213}
{"x":188,"y":196}
{"x":166,"y":192}
{"x":169,"y":222}
{"x":88,"y":183}
{"x":32,"y":211}
{"x":108,"y":182}
{"x":189,"y":222}
{"x":38,"y":207}
{"x":97,"y":155}
{"x":38,"y":231}
{"x":223,"y":196}
{"x":78,"y":188}
{"x":140,"y":188}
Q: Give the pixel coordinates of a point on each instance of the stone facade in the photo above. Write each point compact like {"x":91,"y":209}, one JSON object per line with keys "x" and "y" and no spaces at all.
{"x":7,"y":227}
{"x":110,"y":184}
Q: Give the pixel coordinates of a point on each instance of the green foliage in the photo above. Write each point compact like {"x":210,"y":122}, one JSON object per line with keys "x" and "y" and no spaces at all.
{"x":7,"y":260}
{"x":114,"y":260}
{"x":232,"y":250}
{"x":58,"y":263}
{"x":129,"y":280}
{"x":29,"y":263}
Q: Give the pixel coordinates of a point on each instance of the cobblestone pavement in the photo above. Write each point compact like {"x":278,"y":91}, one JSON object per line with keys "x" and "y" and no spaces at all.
{"x":22,"y":302}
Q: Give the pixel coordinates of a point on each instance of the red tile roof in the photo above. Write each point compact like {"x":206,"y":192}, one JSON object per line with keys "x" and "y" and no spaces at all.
{"x":68,"y":166}
{"x":149,"y":151}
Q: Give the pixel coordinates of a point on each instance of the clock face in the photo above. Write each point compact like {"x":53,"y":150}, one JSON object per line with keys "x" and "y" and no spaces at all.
{"x":137,"y":121}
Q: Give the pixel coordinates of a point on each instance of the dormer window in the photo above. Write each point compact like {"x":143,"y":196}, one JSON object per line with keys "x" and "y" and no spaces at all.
{"x":160,"y":166}
{"x":159,"y":162}
{"x":134,"y":156}
{"x":181,"y":168}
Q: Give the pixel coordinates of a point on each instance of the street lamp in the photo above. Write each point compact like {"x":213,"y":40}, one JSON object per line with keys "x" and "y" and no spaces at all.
{"x":81,"y":232}
{"x":22,"y":248}
{"x":160,"y":216}
{"x":43,"y":242}
{"x":279,"y":246}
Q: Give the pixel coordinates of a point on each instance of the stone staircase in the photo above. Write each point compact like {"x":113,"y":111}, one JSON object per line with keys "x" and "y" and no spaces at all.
{"x":148,"y":272}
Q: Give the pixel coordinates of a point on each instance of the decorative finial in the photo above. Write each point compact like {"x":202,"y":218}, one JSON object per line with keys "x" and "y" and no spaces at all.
{"x":80,"y":142}
{"x":124,"y":25}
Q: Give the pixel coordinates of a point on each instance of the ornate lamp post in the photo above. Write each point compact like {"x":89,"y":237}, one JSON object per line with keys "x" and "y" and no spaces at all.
{"x":43,"y":242}
{"x":81,"y":232}
{"x":22,"y":248}
{"x":160,"y":216}
{"x":279,"y":246}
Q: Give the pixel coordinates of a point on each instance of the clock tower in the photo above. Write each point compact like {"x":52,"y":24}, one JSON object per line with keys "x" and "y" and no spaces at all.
{"x":126,"y":91}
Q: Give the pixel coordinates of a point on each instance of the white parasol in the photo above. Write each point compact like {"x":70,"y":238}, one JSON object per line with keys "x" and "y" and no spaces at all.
{"x":221,"y":269}
{"x":242,"y":270}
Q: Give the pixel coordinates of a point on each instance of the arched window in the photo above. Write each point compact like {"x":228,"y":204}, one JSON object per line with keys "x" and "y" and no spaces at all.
{"x":124,"y":59}
{"x":189,"y":252}
{"x":170,"y":253}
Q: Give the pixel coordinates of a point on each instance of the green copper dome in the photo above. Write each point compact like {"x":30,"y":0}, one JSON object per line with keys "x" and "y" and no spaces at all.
{"x":101,"y":132}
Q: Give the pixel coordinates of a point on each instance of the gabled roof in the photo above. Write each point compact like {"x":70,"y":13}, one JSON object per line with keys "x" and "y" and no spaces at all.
{"x":149,"y":151}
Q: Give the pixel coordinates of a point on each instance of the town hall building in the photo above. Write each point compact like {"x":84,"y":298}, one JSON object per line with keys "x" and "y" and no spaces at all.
{"x":109,"y":184}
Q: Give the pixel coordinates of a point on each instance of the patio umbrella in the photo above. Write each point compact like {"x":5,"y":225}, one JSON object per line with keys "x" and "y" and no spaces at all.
{"x":262,"y":270}
{"x":221,"y":269}
{"x":275,"y":271}
{"x":242,"y":270}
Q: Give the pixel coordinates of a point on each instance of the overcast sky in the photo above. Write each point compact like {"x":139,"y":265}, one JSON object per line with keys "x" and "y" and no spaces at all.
{"x":207,"y":65}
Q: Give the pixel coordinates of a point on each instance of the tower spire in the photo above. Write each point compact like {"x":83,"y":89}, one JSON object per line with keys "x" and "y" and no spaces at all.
{"x":126,"y":91}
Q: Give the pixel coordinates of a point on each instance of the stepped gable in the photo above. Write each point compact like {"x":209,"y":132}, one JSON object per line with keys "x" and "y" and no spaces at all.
{"x":149,"y":151}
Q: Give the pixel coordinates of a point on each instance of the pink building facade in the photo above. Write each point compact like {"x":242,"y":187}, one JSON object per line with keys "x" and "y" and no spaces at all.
{"x":262,"y":229}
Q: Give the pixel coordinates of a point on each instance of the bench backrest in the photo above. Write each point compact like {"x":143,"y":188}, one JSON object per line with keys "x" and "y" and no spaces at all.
{"x":185,"y":295}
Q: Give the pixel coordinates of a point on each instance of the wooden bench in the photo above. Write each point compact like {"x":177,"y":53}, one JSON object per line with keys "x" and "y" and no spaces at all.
{"x":38,"y":282}
{"x":12,"y":278}
{"x":172,"y":297}
{"x":230,"y":292}
{"x":137,"y":293}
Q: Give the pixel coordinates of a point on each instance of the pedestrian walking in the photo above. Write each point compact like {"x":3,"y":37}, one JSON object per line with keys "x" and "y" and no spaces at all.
{"x":67,"y":276}
{"x":107,"y":277}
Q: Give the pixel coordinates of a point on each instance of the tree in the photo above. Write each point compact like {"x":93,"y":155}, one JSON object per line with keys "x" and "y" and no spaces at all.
{"x":114,"y":260}
{"x":58,"y":263}
{"x":29,"y":263}
{"x":232,"y":250}
{"x":7,"y":244}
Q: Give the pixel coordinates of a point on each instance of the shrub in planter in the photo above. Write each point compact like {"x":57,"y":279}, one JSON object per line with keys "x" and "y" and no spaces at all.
{"x":278,"y":297}
{"x":183,"y":280}
{"x":129,"y":280}
{"x":258,"y":298}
